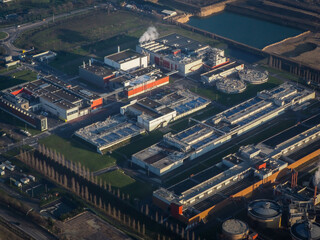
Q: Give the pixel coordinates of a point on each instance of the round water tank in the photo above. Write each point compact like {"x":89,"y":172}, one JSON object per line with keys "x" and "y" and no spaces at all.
{"x":234,"y":229}
{"x":265,"y":213}
{"x":305,"y":231}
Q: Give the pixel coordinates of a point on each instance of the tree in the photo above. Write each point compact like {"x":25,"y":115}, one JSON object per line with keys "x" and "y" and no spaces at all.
{"x":100,"y":203}
{"x":134,"y":224}
{"x":138,"y":226}
{"x":95,"y":200}
{"x":86,"y":192}
{"x":77,"y":188}
{"x":143,"y":229}
{"x":73,"y":185}
{"x":109,"y":209}
{"x":65,"y":181}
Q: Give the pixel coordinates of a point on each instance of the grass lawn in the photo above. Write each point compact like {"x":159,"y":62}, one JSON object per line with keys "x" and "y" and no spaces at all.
{"x":283,"y":74}
{"x":3,"y":35}
{"x":79,"y":38}
{"x":232,"y":99}
{"x":126,"y":184}
{"x":140,"y":142}
{"x":77,"y":151}
{"x":17,"y":78}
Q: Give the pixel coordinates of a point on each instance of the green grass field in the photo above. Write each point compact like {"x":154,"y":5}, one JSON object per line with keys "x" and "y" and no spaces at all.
{"x":126,"y":184}
{"x":3,"y":35}
{"x":16,"y":78}
{"x":232,"y":99}
{"x":77,"y":151}
{"x":283,"y":74}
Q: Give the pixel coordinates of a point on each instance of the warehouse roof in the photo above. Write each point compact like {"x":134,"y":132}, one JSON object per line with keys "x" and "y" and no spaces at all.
{"x":124,"y":56}
{"x":98,"y":70}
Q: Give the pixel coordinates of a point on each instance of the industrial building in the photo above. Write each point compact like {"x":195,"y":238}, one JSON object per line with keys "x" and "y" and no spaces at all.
{"x":221,"y":72}
{"x":44,"y":56}
{"x":221,"y":128}
{"x":139,"y":81}
{"x":96,"y":74}
{"x":34,"y":120}
{"x":178,"y":53}
{"x":183,"y":102}
{"x":49,"y":94}
{"x":237,"y":175}
{"x":150,"y":114}
{"x":126,"y":60}
{"x":164,"y":107}
{"x":106,"y":134}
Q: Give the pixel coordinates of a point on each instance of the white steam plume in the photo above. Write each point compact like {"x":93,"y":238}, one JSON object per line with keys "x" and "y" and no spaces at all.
{"x":316,"y":178}
{"x":149,"y":35}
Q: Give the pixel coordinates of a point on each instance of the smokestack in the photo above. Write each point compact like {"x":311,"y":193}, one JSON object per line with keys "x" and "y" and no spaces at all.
{"x":118,"y":49}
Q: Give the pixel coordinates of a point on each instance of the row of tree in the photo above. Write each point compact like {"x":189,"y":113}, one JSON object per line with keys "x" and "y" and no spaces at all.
{"x":112,"y":202}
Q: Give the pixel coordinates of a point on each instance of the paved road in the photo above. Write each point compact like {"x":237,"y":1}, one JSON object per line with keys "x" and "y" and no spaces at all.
{"x":25,"y":225}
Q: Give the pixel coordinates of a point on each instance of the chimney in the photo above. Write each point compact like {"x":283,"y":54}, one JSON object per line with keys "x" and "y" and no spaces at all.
{"x":118,"y":49}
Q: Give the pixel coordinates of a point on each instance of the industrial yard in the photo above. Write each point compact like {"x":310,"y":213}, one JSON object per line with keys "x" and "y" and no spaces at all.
{"x":142,"y":129}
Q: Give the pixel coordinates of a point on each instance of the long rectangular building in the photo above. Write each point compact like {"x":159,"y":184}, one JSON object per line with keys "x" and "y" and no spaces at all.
{"x":108,"y":133}
{"x":52,"y":95}
{"x":165,"y":106}
{"x":139,"y":81}
{"x":221,"y":128}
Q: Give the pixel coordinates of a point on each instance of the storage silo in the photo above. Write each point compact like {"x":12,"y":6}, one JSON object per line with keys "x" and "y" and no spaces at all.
{"x":305,"y":230}
{"x":265,"y":213}
{"x":234,"y":229}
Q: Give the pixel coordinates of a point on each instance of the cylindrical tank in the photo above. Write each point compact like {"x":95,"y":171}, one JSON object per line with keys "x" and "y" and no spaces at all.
{"x":305,"y":231}
{"x":265,"y":213}
{"x":234,"y":229}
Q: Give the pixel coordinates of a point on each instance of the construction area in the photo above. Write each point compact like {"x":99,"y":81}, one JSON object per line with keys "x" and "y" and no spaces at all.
{"x":237,"y":175}
{"x":209,"y":134}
